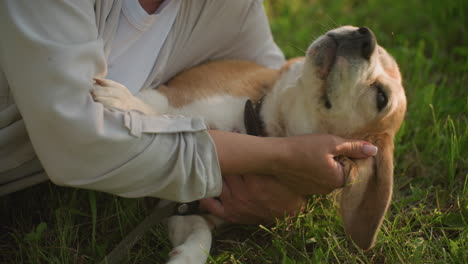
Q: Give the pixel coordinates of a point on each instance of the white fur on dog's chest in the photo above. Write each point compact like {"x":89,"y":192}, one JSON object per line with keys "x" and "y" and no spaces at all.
{"x":221,"y":112}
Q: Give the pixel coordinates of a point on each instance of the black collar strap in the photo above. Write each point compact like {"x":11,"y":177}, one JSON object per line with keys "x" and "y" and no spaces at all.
{"x":253,"y":122}
{"x":187,"y":208}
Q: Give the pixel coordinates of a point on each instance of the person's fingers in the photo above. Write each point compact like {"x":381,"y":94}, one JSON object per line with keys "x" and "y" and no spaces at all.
{"x":252,"y":199}
{"x":237,"y":190}
{"x":338,"y":175}
{"x":214,"y":206}
{"x":226,"y":192}
{"x":348,"y":148}
{"x":354,"y":148}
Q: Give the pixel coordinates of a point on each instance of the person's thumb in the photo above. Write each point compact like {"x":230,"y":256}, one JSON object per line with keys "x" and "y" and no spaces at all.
{"x":355,"y":149}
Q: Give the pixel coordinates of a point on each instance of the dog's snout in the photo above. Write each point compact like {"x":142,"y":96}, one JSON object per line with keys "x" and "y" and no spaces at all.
{"x":367,"y":40}
{"x":360,"y":42}
{"x":364,"y":31}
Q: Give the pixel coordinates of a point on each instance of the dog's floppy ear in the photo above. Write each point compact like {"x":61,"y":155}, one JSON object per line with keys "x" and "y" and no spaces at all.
{"x":366,"y":197}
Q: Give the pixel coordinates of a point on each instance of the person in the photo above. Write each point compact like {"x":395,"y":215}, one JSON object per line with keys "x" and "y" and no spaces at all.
{"x":51,"y":51}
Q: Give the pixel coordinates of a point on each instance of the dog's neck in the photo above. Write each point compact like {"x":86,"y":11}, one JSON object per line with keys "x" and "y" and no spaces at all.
{"x":288,"y":109}
{"x":253,"y":122}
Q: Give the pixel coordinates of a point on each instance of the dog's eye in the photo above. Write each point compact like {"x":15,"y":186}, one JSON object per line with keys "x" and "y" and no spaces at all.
{"x":381,"y":98}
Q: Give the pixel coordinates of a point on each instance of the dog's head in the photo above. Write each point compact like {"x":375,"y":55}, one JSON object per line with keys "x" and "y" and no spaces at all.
{"x":360,"y":96}
{"x":359,"y":83}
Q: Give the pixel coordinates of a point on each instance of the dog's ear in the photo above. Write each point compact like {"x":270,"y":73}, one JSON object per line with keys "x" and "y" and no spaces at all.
{"x":366,"y":197}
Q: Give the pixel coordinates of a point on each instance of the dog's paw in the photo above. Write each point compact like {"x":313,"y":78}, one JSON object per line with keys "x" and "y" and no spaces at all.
{"x":187,"y":254}
{"x":175,"y":252}
{"x":114,"y":95}
{"x":181,"y":227}
{"x":181,"y":255}
{"x":191,"y":237}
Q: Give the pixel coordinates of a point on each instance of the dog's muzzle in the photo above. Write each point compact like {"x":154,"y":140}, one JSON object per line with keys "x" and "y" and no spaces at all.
{"x":358,"y":43}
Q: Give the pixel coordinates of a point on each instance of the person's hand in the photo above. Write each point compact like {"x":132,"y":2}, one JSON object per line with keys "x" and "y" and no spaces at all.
{"x":309,"y":164}
{"x":253,"y":199}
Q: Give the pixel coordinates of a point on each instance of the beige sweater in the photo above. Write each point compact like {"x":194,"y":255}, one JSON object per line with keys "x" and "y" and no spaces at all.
{"x":49,"y":53}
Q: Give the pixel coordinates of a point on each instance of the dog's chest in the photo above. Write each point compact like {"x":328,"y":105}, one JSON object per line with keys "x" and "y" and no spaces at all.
{"x":220,"y":112}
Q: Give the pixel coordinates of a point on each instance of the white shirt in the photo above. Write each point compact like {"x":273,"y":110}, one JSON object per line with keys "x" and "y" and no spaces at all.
{"x":53,"y":51}
{"x":138,"y":40}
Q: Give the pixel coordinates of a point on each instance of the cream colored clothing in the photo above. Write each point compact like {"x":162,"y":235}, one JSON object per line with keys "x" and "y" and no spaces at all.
{"x":138,"y":41}
{"x":49,"y":53}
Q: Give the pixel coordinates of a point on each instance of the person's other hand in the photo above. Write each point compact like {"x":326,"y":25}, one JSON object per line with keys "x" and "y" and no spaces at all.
{"x":253,"y":199}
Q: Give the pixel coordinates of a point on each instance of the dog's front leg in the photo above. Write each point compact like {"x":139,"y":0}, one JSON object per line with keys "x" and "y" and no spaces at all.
{"x":191,"y":237}
{"x":115,"y":95}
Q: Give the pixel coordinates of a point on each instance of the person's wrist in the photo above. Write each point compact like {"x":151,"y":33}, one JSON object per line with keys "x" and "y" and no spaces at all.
{"x":280,"y":156}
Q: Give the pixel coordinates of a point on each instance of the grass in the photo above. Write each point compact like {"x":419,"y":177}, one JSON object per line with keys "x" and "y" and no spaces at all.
{"x":426,"y":223}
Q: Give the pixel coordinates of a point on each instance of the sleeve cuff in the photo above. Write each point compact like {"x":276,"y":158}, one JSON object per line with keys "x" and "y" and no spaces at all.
{"x":137,"y":123}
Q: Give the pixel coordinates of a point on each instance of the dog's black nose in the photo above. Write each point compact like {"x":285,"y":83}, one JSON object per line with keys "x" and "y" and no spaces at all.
{"x":364,"y":30}
{"x":354,"y":43}
{"x":367,"y":40}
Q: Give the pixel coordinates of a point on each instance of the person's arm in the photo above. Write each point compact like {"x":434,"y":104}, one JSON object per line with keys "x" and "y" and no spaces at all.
{"x":50,"y":52}
{"x":304,"y":163}
{"x":254,"y":40}
{"x":264,"y":178}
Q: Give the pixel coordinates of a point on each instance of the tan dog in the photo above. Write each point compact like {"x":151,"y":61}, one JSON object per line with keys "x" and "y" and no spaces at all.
{"x":347,"y":85}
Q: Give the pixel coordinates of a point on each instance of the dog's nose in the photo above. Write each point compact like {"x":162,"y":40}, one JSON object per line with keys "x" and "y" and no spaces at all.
{"x":367,"y":41}
{"x":357,"y":43}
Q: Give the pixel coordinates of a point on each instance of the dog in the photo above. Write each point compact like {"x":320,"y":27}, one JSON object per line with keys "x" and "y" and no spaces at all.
{"x":346,"y":85}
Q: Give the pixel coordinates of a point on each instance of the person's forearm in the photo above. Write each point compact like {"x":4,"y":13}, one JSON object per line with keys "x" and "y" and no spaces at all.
{"x":304,"y":163}
{"x":244,"y":154}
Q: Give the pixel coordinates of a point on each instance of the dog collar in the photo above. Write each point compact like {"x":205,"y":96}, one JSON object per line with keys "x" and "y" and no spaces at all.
{"x":254,"y":125}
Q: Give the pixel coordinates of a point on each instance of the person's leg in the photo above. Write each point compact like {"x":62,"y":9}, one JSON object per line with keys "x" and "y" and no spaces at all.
{"x":27,"y":174}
